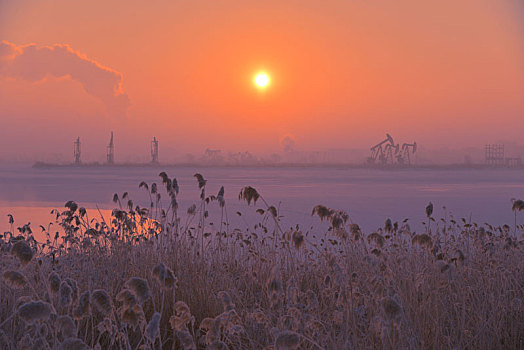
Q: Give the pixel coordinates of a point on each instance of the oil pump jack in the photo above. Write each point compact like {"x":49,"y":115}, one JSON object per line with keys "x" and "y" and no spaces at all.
{"x":380,"y":151}
{"x":407,"y":150}
{"x":389,"y":153}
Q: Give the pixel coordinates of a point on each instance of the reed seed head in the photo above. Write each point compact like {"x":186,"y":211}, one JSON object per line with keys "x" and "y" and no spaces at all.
{"x":164,"y":275}
{"x":249,"y":194}
{"x":274,"y":285}
{"x":209,"y":325}
{"x":191,"y":210}
{"x":133,"y":316}
{"x":377,"y":238}
{"x":35,"y":311}
{"x":82,"y":310}
{"x":182,"y":316}
{"x":14,"y":279}
{"x":182,"y":309}
{"x":356,"y":233}
{"x":22,"y":251}
{"x":298,"y":239}
{"x":74,"y":288}
{"x":424,"y":240}
{"x":101,"y":302}
{"x":54,"y":282}
{"x":322,"y":212}
{"x":65,"y":293}
{"x":140,"y":287}
{"x":153,"y":327}
{"x":66,"y":326}
{"x":127,"y":298}
{"x":226,"y":301}
{"x":178,"y":323}
{"x":227,"y":319}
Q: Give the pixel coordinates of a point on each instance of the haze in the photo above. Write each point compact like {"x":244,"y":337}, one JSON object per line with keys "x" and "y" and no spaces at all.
{"x":343,"y":73}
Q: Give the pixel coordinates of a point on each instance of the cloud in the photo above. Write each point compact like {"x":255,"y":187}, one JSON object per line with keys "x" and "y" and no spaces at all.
{"x":33,"y":64}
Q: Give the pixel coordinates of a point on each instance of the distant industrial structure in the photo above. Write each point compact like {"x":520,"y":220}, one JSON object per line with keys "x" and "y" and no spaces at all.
{"x":387,"y":152}
{"x":154,"y":151}
{"x":110,"y":155}
{"x":213,"y":156}
{"x":76,"y":151}
{"x":495,"y":156}
{"x":111,"y":151}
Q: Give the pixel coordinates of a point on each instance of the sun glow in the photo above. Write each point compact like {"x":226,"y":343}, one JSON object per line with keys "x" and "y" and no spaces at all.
{"x":261,"y":80}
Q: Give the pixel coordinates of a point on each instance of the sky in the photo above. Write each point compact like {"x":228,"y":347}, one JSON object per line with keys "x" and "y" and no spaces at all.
{"x":342,"y":74}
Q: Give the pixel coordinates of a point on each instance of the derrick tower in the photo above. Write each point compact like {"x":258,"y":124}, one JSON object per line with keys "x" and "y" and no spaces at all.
{"x":76,"y":151}
{"x":111,"y":151}
{"x":154,"y":151}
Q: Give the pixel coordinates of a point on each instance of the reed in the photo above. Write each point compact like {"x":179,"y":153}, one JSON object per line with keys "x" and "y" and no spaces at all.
{"x":149,"y":277}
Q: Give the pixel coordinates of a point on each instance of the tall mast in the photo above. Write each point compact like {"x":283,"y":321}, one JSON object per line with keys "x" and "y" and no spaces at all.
{"x":154,"y":151}
{"x":111,"y":151}
{"x":76,"y":150}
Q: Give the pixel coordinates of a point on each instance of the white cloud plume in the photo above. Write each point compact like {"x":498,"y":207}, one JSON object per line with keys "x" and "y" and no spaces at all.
{"x":33,"y":64}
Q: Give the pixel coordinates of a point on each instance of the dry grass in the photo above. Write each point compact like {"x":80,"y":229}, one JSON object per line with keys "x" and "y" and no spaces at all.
{"x":150,"y":279}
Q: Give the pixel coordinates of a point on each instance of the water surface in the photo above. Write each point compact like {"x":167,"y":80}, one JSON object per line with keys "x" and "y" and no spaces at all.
{"x":369,"y":195}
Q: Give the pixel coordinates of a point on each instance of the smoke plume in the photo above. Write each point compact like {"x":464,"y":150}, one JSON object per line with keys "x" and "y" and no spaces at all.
{"x":288,"y":143}
{"x":34,"y":64}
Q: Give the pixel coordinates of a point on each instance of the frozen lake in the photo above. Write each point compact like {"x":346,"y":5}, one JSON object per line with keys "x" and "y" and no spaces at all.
{"x":369,"y":196}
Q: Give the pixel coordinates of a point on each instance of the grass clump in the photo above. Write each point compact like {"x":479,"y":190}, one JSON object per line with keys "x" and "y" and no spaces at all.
{"x":150,"y":278}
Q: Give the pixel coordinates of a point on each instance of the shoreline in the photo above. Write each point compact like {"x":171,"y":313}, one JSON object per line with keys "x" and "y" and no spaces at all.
{"x":43,"y":165}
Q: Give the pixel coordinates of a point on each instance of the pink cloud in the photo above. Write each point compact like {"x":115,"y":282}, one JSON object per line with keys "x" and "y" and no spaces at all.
{"x":33,"y":64}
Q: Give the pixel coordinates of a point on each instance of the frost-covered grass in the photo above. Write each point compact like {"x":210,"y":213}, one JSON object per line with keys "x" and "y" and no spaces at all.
{"x":158,"y":277}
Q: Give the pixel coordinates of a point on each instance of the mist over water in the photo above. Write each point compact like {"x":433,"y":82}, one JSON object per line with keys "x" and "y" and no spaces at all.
{"x":370,"y":196}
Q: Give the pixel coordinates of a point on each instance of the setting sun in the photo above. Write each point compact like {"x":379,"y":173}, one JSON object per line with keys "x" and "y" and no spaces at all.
{"x":261,"y":80}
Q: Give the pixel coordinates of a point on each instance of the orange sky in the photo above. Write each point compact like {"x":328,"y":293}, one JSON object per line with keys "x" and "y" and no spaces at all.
{"x":343,"y":74}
